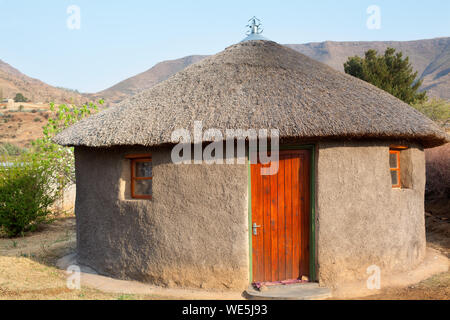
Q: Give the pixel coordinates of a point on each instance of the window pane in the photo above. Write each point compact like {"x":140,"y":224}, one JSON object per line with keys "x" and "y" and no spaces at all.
{"x":393,"y":160}
{"x":394,"y":177}
{"x":143,"y":187}
{"x":143,"y":169}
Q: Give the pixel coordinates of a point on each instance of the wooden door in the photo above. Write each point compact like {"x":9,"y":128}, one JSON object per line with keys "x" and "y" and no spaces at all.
{"x":281,"y":214}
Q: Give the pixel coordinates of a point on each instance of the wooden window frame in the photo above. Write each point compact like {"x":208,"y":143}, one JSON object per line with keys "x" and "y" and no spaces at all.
{"x":137,"y":159}
{"x":398,"y":168}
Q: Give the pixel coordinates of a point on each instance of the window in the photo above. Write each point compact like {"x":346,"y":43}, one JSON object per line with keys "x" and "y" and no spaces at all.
{"x":141,"y":176}
{"x":394,"y":164}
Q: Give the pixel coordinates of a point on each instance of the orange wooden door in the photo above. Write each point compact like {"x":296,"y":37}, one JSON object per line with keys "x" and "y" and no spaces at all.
{"x":280,"y":213}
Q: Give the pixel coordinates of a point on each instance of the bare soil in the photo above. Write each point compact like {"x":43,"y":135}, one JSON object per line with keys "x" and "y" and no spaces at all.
{"x":21,"y":128}
{"x":438,"y":237}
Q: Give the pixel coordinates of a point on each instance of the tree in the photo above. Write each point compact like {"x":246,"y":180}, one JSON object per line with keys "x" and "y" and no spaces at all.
{"x":60,"y":159}
{"x":389,"y":72}
{"x":20,"y":98}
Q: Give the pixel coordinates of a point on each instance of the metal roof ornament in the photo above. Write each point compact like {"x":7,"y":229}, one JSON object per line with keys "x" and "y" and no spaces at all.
{"x":255,"y":30}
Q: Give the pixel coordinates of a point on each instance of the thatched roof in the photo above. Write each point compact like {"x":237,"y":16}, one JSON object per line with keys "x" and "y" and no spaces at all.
{"x":256,"y":85}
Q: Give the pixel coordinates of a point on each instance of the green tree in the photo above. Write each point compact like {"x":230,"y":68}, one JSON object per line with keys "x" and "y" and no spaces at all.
{"x":61,"y":159}
{"x":20,"y":98}
{"x":390,"y":72}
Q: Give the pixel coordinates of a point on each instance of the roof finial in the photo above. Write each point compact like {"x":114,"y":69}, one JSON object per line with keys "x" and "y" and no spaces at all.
{"x":254,"y":26}
{"x":255,"y":31}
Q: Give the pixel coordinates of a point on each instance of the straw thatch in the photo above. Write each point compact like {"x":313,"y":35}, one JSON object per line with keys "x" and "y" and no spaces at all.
{"x":254,"y":85}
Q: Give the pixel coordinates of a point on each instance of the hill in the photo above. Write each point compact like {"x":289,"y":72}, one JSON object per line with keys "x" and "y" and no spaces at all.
{"x":145,"y":80}
{"x":12,"y":81}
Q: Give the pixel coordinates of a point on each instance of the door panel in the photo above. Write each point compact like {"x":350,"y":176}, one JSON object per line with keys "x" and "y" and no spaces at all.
{"x":280,"y":207}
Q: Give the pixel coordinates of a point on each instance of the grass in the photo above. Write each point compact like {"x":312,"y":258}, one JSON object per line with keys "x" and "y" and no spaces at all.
{"x":28,"y":272}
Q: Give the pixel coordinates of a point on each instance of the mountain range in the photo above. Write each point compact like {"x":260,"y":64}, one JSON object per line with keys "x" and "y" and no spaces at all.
{"x":430,"y":58}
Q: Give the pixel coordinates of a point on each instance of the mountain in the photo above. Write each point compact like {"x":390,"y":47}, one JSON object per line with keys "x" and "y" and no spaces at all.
{"x":431,"y":58}
{"x":145,"y":80}
{"x":12,"y":81}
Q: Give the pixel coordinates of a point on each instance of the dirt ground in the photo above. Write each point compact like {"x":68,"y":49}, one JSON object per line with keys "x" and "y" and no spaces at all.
{"x":438,"y":237}
{"x":27,"y":267}
{"x":21,"y":128}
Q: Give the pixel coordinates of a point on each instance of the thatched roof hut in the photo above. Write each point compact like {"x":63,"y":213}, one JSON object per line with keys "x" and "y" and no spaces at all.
{"x":348,"y":192}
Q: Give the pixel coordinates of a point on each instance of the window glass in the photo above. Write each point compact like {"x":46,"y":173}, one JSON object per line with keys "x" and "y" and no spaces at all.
{"x":393,"y":160}
{"x":394,"y":178}
{"x":141,"y":177}
{"x":143,"y":187}
{"x":143,"y":169}
{"x":394,"y":164}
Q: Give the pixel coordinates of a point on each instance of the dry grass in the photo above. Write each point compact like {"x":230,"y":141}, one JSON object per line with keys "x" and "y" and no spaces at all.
{"x":28,"y":272}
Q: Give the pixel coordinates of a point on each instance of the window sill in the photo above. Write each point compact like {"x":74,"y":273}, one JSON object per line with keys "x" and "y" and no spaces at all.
{"x":136,"y":200}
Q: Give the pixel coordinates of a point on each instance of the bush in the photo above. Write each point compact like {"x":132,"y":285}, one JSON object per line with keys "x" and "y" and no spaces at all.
{"x":31,"y":183}
{"x":435,"y":109}
{"x":20,"y":98}
{"x":9,"y":149}
{"x":26,"y":194}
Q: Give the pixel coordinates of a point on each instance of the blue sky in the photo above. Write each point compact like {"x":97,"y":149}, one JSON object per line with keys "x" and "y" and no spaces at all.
{"x":119,"y":39}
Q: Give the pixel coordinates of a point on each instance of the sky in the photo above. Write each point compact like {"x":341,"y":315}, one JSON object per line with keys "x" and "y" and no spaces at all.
{"x":111,"y":40}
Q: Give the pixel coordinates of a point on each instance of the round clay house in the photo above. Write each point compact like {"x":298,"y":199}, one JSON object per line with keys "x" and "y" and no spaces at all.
{"x":348,"y":192}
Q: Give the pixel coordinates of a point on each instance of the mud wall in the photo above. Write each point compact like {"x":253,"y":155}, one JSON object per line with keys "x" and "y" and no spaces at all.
{"x":360,"y":219}
{"x":193,"y":233}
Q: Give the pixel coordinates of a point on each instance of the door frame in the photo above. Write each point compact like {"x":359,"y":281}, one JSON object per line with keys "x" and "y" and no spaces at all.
{"x":312,"y":209}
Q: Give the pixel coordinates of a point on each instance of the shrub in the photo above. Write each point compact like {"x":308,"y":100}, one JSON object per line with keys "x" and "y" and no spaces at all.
{"x":31,"y":183}
{"x":26,"y":194}
{"x":435,"y":109}
{"x":9,"y":149}
{"x":20,"y":98}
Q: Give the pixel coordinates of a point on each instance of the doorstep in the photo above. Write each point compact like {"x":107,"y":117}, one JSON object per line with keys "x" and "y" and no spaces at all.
{"x":301,"y":291}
